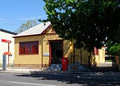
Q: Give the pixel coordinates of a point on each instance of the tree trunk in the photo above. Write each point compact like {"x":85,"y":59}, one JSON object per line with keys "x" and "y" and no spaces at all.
{"x":73,"y":54}
{"x":89,"y":59}
{"x":81,"y":55}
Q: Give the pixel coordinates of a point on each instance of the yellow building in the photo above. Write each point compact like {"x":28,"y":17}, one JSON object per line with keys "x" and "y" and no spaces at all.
{"x":40,"y":46}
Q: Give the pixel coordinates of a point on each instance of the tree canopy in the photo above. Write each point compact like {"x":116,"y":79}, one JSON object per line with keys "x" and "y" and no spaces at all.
{"x":113,"y":48}
{"x":90,"y":22}
{"x":27,"y":25}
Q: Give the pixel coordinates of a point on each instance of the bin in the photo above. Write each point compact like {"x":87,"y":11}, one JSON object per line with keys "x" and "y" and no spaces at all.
{"x":64,"y":64}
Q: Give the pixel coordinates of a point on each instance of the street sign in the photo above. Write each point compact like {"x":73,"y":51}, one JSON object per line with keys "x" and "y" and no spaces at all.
{"x":7,"y":53}
{"x":7,"y":41}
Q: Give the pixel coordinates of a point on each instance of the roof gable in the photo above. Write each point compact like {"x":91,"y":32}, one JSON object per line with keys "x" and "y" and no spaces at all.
{"x":49,"y":30}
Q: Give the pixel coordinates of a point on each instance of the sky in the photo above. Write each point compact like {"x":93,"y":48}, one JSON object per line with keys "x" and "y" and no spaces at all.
{"x":14,"y":13}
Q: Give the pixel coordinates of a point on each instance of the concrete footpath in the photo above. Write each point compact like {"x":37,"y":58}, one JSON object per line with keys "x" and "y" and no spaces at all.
{"x":19,"y":70}
{"x":51,"y":72}
{"x":35,"y":71}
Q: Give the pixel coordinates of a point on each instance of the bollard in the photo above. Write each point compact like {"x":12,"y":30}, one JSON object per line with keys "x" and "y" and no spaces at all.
{"x":4,"y":63}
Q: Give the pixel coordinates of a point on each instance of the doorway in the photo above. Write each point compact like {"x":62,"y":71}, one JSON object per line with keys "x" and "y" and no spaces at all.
{"x":56,"y":52}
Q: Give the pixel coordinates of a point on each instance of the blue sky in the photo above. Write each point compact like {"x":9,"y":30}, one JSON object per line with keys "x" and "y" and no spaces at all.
{"x":15,"y":12}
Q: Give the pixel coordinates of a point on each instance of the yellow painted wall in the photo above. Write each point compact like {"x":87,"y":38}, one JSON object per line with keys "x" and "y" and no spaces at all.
{"x":81,"y":55}
{"x":100,"y":58}
{"x":28,"y":59}
{"x":78,"y":55}
{"x":68,"y":50}
{"x":102,"y":55}
{"x":43,"y":48}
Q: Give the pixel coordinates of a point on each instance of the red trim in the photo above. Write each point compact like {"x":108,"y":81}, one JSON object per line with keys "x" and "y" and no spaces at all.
{"x":50,"y":34}
{"x":55,"y":40}
{"x":53,"y":31}
{"x":50,"y":49}
{"x":50,"y":54}
{"x":46,"y":29}
{"x":35,"y":35}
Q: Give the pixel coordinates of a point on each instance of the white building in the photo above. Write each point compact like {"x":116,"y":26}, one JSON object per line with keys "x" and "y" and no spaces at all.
{"x":7,"y":36}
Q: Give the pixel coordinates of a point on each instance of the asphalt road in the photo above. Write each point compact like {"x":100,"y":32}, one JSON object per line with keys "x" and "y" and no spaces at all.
{"x":80,"y":79}
{"x":17,"y":79}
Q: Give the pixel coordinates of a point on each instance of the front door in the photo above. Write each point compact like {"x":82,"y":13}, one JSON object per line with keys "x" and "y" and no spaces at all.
{"x":56,"y":52}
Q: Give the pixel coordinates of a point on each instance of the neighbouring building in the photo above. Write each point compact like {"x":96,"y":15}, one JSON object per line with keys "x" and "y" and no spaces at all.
{"x":40,"y":46}
{"x":7,"y":45}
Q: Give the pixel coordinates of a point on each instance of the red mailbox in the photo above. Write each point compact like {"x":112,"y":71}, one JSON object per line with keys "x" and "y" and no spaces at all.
{"x":64,"y":64}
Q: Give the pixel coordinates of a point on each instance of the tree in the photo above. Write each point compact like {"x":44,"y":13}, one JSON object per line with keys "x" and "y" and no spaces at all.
{"x":27,"y":25}
{"x":91,"y":23}
{"x":113,"y":48}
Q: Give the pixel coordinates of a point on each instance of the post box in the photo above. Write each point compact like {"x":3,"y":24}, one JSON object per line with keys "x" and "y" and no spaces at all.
{"x":64,"y":64}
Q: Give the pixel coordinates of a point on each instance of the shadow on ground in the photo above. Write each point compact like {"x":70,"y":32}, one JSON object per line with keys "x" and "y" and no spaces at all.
{"x":103,"y":78}
{"x":103,"y":69}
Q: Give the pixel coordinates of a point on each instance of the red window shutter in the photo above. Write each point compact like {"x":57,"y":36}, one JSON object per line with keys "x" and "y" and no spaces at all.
{"x":35,"y":48}
{"x":95,"y":51}
{"x":22,"y":48}
{"x":28,"y":48}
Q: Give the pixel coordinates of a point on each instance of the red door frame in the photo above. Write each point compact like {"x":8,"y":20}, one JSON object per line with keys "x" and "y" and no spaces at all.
{"x":50,"y":57}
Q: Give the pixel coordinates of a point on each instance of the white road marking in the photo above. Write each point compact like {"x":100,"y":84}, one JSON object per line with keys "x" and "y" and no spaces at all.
{"x":33,"y":84}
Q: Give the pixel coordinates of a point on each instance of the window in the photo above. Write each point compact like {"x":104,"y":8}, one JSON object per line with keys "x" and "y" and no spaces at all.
{"x":95,"y":51}
{"x":28,"y":47}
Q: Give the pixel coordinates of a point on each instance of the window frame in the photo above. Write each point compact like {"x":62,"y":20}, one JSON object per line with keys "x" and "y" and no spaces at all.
{"x":28,"y":50}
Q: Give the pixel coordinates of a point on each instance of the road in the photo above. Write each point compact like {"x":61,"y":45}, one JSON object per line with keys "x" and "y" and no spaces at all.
{"x":80,"y":79}
{"x":17,"y":79}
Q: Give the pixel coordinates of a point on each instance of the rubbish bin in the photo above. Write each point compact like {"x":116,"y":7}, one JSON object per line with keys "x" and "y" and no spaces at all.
{"x":64,"y":64}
